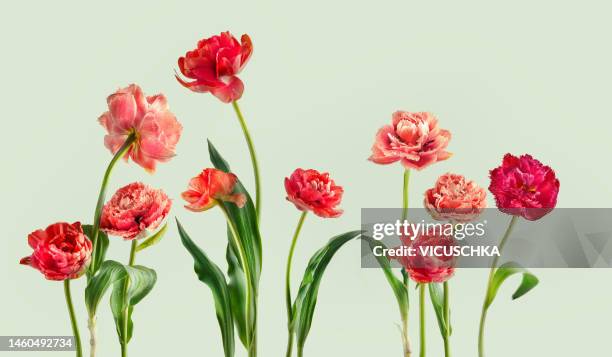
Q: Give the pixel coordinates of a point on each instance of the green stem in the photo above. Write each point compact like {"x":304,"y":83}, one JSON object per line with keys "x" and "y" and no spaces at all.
{"x":254,"y":162}
{"x":422,"y":317}
{"x":95,"y":232}
{"x":73,"y":321}
{"x":405,"y":192}
{"x":485,"y":308}
{"x":288,"y":299}
{"x":249,"y":283}
{"x":126,"y":316}
{"x":447,"y":351}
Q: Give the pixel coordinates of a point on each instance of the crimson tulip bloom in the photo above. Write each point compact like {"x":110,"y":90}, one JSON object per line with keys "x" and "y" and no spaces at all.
{"x":211,"y":186}
{"x":61,"y":251}
{"x":214,"y":64}
{"x":310,"y":190}
{"x":523,"y":186}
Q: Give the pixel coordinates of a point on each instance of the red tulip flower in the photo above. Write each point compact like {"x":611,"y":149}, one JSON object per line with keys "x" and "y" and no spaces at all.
{"x":214,"y":65}
{"x":313,"y":191}
{"x":523,"y":186}
{"x":61,"y":251}
{"x":211,"y":186}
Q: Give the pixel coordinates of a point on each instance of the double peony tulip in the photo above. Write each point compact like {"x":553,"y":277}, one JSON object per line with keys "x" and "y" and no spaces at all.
{"x":455,"y":198}
{"x":310,"y":190}
{"x":213,"y":66}
{"x":414,"y":139}
{"x":523,"y":186}
{"x":134,"y":211}
{"x":61,"y":251}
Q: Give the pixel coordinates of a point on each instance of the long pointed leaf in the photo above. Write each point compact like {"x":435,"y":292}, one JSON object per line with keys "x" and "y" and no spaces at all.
{"x":153,"y":239}
{"x":505,"y":271}
{"x":399,"y":290}
{"x":306,"y":300}
{"x":245,"y":221}
{"x":436,"y":294}
{"x":211,"y":275}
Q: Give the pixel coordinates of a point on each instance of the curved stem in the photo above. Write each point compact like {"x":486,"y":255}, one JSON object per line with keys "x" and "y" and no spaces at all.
{"x":254,"y":162}
{"x":247,"y":275}
{"x":288,"y":299}
{"x":485,"y":308}
{"x":73,"y":322}
{"x":95,"y":232}
{"x":422,"y":317}
{"x":447,"y":351}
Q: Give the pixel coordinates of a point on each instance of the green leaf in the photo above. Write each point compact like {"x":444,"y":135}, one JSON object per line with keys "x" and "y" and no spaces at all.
{"x":505,"y":271}
{"x":245,"y":221}
{"x":399,"y":289}
{"x":306,"y":300}
{"x":100,"y":250}
{"x":436,"y":293}
{"x":139,"y":279}
{"x":137,"y":282}
{"x":109,"y":273}
{"x":211,"y":275}
{"x":154,"y":239}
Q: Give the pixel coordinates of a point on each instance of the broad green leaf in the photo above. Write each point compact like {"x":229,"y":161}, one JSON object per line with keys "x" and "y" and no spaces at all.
{"x":505,"y":271}
{"x":109,"y":273}
{"x":436,"y":293}
{"x":154,"y":239}
{"x":306,"y":300}
{"x":398,"y":287}
{"x":137,"y":282}
{"x":210,"y":274}
{"x":245,"y":220}
{"x":139,"y":279}
{"x":100,"y":250}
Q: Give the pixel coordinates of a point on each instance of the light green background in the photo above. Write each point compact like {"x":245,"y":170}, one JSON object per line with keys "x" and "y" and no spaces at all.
{"x":521,"y":77}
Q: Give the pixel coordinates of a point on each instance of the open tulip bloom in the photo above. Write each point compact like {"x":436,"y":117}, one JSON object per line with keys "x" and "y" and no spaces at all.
{"x":143,"y":130}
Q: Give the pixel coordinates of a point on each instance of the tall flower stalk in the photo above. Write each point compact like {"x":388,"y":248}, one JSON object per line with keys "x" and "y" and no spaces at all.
{"x":73,"y":320}
{"x":309,"y":190}
{"x":254,"y":162}
{"x":404,"y":312}
{"x":422,"y":339}
{"x":522,"y":187}
{"x":288,"y":299}
{"x":457,"y":200}
{"x":95,"y":232}
{"x":485,"y":308}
